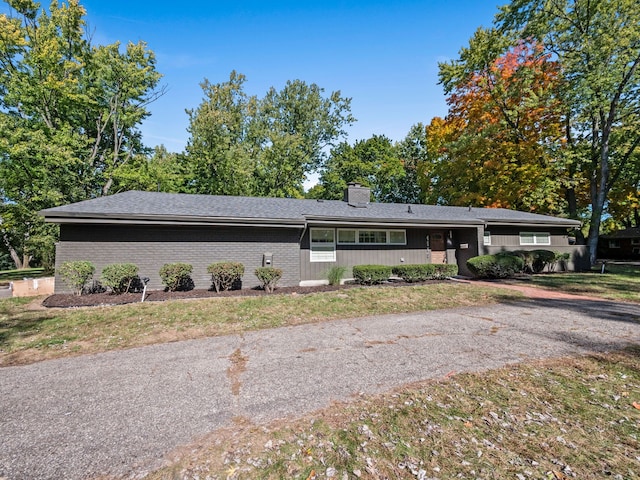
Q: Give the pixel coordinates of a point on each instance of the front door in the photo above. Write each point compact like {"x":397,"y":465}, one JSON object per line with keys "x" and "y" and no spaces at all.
{"x":438,"y":250}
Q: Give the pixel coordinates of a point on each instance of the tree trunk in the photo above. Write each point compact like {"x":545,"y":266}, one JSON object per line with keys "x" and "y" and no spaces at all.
{"x":570,"y":196}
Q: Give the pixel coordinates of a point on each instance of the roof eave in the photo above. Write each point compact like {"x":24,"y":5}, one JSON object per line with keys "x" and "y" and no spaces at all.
{"x":313,"y":220}
{"x":83,"y":218}
{"x":527,"y":223}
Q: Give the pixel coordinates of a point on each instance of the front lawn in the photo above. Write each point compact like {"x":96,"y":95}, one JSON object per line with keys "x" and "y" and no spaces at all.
{"x":618,"y":283}
{"x":30,"y":333}
{"x":556,"y":419}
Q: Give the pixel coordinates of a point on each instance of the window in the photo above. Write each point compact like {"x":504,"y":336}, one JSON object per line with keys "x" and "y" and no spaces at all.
{"x":323,"y":245}
{"x":397,"y":237}
{"x":346,"y":236}
{"x":635,"y":241}
{"x":372,"y":237}
{"x":487,"y":238}
{"x":535,"y":238}
{"x":614,"y":243}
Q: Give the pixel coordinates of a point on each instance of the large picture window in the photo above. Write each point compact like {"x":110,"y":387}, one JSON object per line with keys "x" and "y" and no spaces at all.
{"x":371,"y":237}
{"x":535,"y":238}
{"x":323,"y":245}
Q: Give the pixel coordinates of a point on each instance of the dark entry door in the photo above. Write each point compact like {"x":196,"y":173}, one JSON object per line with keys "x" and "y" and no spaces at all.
{"x":438,"y":250}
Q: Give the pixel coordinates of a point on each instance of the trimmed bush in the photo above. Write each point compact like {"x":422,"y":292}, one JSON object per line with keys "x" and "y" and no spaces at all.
{"x":177,"y":276}
{"x":268,"y":277}
{"x":226,"y":275}
{"x":119,"y":277}
{"x":560,"y":259}
{"x":335,"y":274}
{"x":425,"y":271}
{"x":76,"y":274}
{"x":541,"y":258}
{"x":371,"y":274}
{"x":501,"y":265}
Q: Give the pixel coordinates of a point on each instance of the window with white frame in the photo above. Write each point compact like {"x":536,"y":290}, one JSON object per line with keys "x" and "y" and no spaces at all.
{"x":371,"y":237}
{"x":614,"y":243}
{"x":322,"y":245}
{"x":486,"y":238}
{"x":635,"y":241}
{"x":535,"y":238}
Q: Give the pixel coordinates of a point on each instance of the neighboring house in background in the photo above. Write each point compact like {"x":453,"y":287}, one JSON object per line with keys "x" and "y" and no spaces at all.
{"x":620,"y":245}
{"x":302,"y":237}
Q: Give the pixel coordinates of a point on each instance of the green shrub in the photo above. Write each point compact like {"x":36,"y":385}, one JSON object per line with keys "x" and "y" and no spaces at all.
{"x":541,"y":258}
{"x":501,"y":265}
{"x":268,"y":277}
{"x":371,"y":274}
{"x":76,"y":274}
{"x":225,"y":275}
{"x":119,"y":276}
{"x":335,"y":274}
{"x":561,"y":259}
{"x":526,"y":256}
{"x":177,"y":276}
{"x":425,"y":271}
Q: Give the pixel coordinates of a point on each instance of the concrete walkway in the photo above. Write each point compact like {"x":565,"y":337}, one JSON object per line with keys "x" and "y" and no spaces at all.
{"x":120,"y":413}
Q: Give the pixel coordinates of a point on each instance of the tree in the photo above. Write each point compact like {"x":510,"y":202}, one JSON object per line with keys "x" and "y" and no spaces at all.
{"x":69,"y":114}
{"x":597,"y":43}
{"x":222,"y":148}
{"x":161,"y":171}
{"x":500,"y":144}
{"x":412,"y":151}
{"x":374,"y":163}
{"x":297,"y":125}
{"x":242,"y":145}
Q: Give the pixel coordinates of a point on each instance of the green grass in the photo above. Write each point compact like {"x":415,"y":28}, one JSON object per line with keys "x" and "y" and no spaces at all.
{"x":567,"y":418}
{"x":31,"y":334}
{"x":618,"y":283}
{"x":8,"y":275}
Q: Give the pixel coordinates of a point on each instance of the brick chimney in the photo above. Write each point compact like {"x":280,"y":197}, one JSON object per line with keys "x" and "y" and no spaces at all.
{"x":356,"y":195}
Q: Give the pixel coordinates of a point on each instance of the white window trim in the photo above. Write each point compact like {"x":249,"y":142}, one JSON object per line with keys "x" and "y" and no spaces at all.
{"x":486,"y":238}
{"x":536,"y":240}
{"x":357,"y":236}
{"x":635,"y":241}
{"x":325,"y":255}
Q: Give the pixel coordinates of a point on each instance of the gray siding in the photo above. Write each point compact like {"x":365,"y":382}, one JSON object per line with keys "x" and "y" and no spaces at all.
{"x":470,"y":238}
{"x":415,"y":251}
{"x":510,"y":237}
{"x":151,"y":247}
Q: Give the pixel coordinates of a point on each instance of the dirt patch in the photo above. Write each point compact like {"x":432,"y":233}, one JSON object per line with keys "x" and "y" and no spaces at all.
{"x":107,"y":298}
{"x":237,"y":368}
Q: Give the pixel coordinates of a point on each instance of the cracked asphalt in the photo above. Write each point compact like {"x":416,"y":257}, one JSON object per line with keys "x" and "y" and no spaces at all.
{"x":120,"y":414}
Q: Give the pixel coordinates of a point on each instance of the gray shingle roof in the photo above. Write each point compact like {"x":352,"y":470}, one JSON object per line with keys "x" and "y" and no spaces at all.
{"x":134,"y":206}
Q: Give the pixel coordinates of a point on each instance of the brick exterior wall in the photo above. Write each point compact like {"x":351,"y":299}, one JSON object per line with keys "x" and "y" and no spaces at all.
{"x":150,"y":247}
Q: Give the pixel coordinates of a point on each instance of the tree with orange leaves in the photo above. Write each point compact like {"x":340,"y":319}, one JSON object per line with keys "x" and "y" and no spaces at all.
{"x":499,"y":144}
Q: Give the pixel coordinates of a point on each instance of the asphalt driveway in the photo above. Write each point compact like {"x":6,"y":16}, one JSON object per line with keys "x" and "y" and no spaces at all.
{"x":120,"y":413}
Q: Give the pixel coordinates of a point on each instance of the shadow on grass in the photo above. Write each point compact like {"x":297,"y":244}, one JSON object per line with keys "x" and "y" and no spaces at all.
{"x":20,"y":327}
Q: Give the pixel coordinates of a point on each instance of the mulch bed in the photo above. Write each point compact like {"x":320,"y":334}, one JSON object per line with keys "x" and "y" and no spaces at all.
{"x":97,"y":299}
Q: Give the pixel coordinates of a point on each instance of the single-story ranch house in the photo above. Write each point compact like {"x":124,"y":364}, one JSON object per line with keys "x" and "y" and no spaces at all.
{"x":302,"y":237}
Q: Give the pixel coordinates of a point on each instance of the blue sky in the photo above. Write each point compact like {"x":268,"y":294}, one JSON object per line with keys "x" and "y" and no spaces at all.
{"x":382,"y":54}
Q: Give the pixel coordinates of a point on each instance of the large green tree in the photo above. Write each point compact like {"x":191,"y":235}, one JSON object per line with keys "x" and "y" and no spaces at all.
{"x":244,"y":145}
{"x":69,"y":116}
{"x":373,"y":162}
{"x":223,"y":143}
{"x":597,"y":45}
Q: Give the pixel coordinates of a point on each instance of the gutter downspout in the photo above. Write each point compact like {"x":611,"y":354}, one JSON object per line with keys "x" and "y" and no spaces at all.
{"x":304,"y":230}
